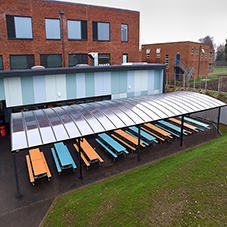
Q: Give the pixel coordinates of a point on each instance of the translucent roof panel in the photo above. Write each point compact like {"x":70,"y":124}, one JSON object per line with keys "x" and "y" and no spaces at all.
{"x":41,"y":127}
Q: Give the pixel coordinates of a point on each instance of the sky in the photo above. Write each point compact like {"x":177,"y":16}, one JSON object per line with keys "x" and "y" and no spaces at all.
{"x":174,"y":20}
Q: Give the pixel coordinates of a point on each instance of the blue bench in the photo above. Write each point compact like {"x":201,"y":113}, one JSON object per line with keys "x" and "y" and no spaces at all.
{"x":197,"y":122}
{"x":106,"y":148}
{"x":147,"y":144}
{"x":167,"y":130}
{"x":144,"y":134}
{"x":56,"y":160}
{"x":172,"y":126}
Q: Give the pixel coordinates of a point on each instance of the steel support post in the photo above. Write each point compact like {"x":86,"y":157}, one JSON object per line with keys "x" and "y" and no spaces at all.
{"x":219,"y":114}
{"x":79,"y":156}
{"x":138,"y":152}
{"x":182,"y":130}
{"x":16,"y":176}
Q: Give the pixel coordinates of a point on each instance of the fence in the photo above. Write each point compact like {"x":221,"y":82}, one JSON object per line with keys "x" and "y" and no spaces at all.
{"x":201,"y":82}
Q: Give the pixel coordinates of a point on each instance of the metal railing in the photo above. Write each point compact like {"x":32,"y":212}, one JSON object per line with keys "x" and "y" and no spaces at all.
{"x":201,"y":82}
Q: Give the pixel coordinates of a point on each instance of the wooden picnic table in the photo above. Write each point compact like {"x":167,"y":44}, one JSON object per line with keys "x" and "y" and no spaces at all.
{"x":185,"y":124}
{"x":129,"y":137}
{"x":62,"y":157}
{"x":157,"y":129}
{"x":89,"y":155}
{"x":37,"y":165}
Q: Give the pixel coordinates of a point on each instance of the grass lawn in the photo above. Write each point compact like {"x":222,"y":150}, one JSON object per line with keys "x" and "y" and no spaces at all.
{"x":218,"y":70}
{"x":188,"y":189}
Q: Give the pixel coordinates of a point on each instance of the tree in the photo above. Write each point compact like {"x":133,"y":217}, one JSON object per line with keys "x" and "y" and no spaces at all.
{"x":220,"y":53}
{"x":208,"y":40}
{"x":226,"y":50}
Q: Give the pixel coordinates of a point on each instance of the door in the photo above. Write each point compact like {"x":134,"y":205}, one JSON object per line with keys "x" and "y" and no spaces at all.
{"x":177,"y":69}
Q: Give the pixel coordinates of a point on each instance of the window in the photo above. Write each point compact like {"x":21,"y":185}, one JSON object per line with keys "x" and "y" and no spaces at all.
{"x":206,"y":53}
{"x":192,"y":50}
{"x":197,"y":51}
{"x":211,"y":56}
{"x":210,"y":67}
{"x":158,"y":51}
{"x":77,"y":30}
{"x":167,"y":61}
{"x":53,"y":30}
{"x":202,"y":54}
{"x":124,"y":33}
{"x":19,"y":27}
{"x":104,"y":59}
{"x":51,"y":60}
{"x":148,"y":53}
{"x":21,"y":61}
{"x":101,"y":31}
{"x":75,"y":59}
{"x":1,"y":63}
{"x":124,"y":58}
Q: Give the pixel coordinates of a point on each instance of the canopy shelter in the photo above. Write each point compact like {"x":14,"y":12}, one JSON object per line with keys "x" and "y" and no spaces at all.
{"x":44,"y":126}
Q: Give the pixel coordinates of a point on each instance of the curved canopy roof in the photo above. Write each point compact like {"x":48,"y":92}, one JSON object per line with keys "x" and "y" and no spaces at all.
{"x":39,"y":127}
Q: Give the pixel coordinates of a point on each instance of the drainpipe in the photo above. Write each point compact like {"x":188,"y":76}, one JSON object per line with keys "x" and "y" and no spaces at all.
{"x":63,"y":41}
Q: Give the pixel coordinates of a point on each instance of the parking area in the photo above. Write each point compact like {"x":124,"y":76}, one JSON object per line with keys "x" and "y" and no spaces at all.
{"x":30,"y":208}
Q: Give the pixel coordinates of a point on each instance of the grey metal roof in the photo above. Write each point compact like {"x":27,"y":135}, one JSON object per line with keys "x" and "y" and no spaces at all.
{"x":39,"y":127}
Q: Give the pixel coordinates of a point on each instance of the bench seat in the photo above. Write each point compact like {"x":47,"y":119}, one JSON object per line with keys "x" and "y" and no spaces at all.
{"x":106,"y":148}
{"x":31,"y":176}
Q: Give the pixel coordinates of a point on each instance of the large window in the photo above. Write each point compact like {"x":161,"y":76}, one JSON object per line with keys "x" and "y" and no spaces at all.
{"x":1,"y":63}
{"x":101,"y":31}
{"x":211,"y":55}
{"x":75,"y":59}
{"x":21,"y":61}
{"x":77,"y":30}
{"x":53,"y":30}
{"x":51,"y":60}
{"x":19,"y":27}
{"x":104,"y":59}
{"x":124,"y":58}
{"x":124,"y":33}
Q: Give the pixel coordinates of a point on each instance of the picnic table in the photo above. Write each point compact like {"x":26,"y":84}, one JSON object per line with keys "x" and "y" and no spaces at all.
{"x":169,"y":125}
{"x":197,"y":122}
{"x":62,"y":157}
{"x":163,"y":133}
{"x":185,"y":124}
{"x":37,"y":165}
{"x":116,"y":147}
{"x":131,"y":139}
{"x":144,"y":134}
{"x":88,"y":154}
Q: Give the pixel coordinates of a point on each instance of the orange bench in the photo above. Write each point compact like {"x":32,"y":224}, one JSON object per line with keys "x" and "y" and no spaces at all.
{"x":153,"y":134}
{"x":82,"y":156}
{"x":157,"y":129}
{"x":122,"y":141}
{"x":185,"y":124}
{"x":30,"y":172}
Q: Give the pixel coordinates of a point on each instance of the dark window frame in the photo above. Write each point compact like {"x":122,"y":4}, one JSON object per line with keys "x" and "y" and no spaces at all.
{"x":44,"y":62}
{"x":100,"y":58}
{"x":84,"y":58}
{"x":56,"y":39}
{"x":124,"y":54}
{"x":11,"y":29}
{"x":1,"y":62}
{"x":95,"y":31}
{"x":83,"y":30}
{"x":125,"y":41}
{"x":30,"y":61}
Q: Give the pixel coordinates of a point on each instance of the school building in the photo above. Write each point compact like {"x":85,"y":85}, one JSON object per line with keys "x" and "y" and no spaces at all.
{"x":62,"y":34}
{"x":182,"y":59}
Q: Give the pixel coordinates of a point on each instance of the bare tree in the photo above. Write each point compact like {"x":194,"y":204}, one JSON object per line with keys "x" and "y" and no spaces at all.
{"x":208,"y":40}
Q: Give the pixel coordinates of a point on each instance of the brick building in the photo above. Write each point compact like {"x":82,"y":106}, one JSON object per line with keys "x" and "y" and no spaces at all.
{"x":60,"y":34}
{"x":181,"y":58}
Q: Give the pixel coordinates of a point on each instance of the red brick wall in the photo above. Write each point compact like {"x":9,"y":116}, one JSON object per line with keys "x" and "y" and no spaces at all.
{"x":182,"y":48}
{"x":39,"y":10}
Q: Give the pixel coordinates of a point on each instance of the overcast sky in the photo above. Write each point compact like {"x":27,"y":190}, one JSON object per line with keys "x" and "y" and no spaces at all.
{"x":174,"y":20}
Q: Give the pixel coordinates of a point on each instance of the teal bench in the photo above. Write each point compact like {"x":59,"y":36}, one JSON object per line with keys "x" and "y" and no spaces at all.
{"x":106,"y":148}
{"x":56,"y":160}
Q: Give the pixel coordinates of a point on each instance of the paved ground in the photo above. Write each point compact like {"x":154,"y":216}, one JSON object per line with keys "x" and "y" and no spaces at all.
{"x":35,"y":201}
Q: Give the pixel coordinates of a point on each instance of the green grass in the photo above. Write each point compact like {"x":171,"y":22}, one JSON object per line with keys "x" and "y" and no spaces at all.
{"x":218,"y":70}
{"x":188,"y":189}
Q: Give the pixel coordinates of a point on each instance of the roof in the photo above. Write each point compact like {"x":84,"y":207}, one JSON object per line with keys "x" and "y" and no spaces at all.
{"x":44,"y":126}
